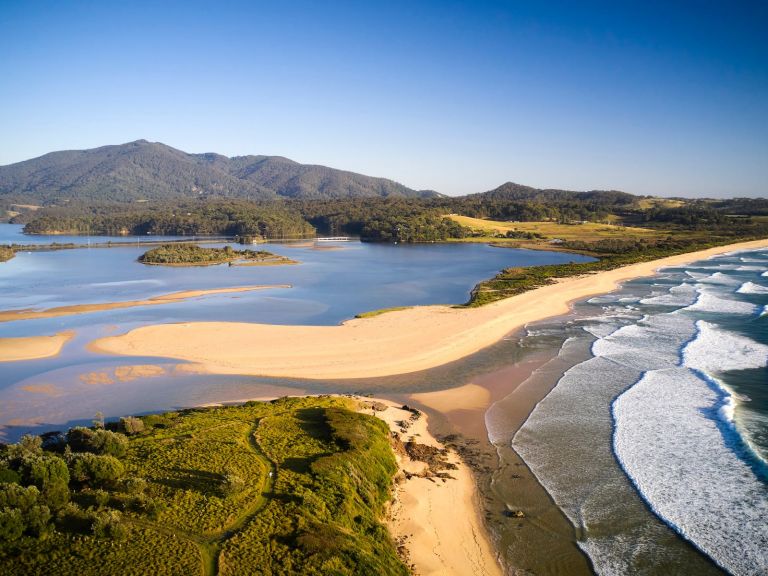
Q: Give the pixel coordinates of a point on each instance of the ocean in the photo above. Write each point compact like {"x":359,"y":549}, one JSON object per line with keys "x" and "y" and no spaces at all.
{"x":654,"y":440}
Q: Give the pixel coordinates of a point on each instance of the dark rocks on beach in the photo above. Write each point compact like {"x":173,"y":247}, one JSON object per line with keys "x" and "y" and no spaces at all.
{"x":514,"y":513}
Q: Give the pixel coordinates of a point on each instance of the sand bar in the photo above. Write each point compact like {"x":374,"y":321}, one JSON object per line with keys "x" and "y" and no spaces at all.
{"x":33,"y":347}
{"x":394,"y":343}
{"x":31,"y":314}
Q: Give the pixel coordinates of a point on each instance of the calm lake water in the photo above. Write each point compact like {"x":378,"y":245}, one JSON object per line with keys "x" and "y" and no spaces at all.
{"x":333,"y":282}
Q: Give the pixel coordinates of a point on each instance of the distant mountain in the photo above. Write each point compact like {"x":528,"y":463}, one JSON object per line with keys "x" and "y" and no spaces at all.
{"x":144,"y":170}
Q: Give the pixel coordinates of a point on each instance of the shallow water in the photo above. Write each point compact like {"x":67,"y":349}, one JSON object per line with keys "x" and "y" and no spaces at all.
{"x":329,"y":285}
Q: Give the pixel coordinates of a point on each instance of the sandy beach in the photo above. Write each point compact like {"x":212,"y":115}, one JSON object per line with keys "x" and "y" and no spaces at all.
{"x":424,"y":514}
{"x":33,"y":347}
{"x":31,"y":314}
{"x":397,"y":342}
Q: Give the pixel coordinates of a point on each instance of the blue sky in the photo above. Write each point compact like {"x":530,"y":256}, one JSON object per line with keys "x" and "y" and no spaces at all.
{"x":667,"y":98}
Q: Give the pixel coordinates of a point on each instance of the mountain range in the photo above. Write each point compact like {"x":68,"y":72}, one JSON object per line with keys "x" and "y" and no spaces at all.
{"x":144,"y":170}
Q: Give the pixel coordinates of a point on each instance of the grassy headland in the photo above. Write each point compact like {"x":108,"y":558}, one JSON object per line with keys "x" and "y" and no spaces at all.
{"x":194,"y":255}
{"x":294,"y":486}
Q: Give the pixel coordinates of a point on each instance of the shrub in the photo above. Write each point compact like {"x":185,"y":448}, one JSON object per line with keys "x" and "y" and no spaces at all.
{"x":97,"y":470}
{"x":109,"y":524}
{"x":132,"y":425}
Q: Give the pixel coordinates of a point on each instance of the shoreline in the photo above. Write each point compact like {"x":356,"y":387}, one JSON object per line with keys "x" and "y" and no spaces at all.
{"x":173,"y":297}
{"x":398,"y":342}
{"x":33,"y":347}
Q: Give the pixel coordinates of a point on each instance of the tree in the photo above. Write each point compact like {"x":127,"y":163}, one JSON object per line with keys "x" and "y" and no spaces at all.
{"x":132,"y":425}
{"x":96,"y":470}
{"x":11,"y":524}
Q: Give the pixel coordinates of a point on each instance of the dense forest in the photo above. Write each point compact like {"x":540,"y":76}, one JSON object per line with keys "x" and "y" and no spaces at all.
{"x":385,"y":219}
{"x":193,"y":218}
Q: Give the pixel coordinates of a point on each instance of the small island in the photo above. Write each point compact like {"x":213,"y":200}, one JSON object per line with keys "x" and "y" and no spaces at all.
{"x":194,"y":255}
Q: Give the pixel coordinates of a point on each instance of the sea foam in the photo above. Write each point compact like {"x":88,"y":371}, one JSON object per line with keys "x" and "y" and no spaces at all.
{"x":715,"y":350}
{"x":668,"y":440}
{"x":752,"y":288}
{"x":719,"y":278}
{"x":683,"y":295}
{"x":711,"y":301}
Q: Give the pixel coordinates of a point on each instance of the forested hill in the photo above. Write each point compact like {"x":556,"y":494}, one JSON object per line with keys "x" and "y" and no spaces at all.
{"x":144,"y":170}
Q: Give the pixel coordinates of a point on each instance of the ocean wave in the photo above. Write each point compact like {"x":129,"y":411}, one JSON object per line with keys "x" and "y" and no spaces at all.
{"x":696,"y":275}
{"x":706,"y":492}
{"x":748,"y":259}
{"x":710,"y":301}
{"x":715,"y":350}
{"x":752,"y":288}
{"x":653,"y":343}
{"x":719,"y":278}
{"x":683,"y":295}
{"x":750,"y":268}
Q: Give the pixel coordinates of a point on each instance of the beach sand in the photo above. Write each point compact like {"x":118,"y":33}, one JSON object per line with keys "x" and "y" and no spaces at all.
{"x":31,"y":314}
{"x":437,"y":521}
{"x":398,"y":342}
{"x":33,"y":347}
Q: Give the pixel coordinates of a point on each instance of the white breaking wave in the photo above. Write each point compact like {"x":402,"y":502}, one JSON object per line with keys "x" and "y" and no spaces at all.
{"x":752,"y":288}
{"x":715,"y":350}
{"x":719,"y":278}
{"x":683,"y":295}
{"x":709,"y":301}
{"x":676,"y":457}
{"x":652,"y":343}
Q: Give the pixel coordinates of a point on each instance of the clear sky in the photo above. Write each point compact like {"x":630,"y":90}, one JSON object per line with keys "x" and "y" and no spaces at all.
{"x":667,"y":98}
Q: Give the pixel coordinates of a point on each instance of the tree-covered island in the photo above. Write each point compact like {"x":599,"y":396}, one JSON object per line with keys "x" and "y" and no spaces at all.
{"x":184,"y":254}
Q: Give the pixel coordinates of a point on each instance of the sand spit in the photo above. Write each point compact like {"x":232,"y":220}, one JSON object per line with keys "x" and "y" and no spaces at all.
{"x":31,"y":314}
{"x":33,"y":347}
{"x":395,"y":343}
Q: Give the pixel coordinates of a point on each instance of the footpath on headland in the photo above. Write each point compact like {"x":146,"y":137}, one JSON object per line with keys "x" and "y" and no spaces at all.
{"x":397,"y":342}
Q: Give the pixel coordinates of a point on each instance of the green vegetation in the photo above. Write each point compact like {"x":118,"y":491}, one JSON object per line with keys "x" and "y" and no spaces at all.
{"x":294,"y":486}
{"x":613,"y":254}
{"x":182,"y":254}
{"x":186,"y":218}
{"x":6,"y":253}
{"x":380,"y":311}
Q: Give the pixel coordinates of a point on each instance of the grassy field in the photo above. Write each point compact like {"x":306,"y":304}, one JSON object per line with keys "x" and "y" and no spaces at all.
{"x":294,"y":486}
{"x":588,"y":232}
